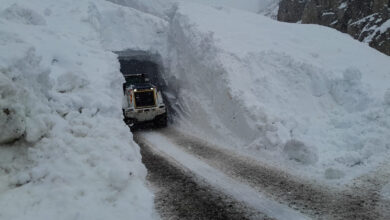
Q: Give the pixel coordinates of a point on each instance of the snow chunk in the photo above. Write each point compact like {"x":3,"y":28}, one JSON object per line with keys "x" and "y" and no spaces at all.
{"x":387,"y":98}
{"x":6,"y":38}
{"x":119,"y":179}
{"x":23,"y":89}
{"x":349,"y":91}
{"x":11,"y":117}
{"x":22,"y":15}
{"x":69,"y":81}
{"x":332,"y":173}
{"x":386,"y":191}
{"x":11,"y":123}
{"x":299,"y":152}
{"x":36,"y":128}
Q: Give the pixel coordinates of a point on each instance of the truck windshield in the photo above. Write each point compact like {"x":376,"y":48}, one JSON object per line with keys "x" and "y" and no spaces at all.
{"x":135,"y":79}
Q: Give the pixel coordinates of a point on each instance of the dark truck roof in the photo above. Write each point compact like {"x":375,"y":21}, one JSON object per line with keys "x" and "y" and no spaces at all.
{"x":136,"y":75}
{"x":141,"y":85}
{"x":137,"y":81}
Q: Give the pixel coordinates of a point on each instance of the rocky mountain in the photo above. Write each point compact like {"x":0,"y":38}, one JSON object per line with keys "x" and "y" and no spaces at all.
{"x":365,"y":20}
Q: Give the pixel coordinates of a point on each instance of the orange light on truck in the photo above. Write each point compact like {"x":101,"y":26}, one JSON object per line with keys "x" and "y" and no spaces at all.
{"x":130,"y":95}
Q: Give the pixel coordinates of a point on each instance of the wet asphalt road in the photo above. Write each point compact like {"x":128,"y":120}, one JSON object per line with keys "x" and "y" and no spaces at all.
{"x":179,"y":195}
{"x":316,"y":201}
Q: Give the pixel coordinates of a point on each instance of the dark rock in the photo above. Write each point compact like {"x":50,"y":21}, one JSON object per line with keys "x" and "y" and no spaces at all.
{"x":291,"y":10}
{"x":311,"y":13}
{"x":359,"y":18}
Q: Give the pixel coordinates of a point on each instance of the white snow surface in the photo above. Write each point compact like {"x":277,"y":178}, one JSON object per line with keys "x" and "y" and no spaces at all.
{"x":264,"y":7}
{"x":65,"y":152}
{"x":306,"y":98}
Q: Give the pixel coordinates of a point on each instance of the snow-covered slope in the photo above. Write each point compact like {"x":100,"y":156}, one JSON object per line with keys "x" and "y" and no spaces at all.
{"x":265,"y":7}
{"x":306,"y":98}
{"x":65,"y":152}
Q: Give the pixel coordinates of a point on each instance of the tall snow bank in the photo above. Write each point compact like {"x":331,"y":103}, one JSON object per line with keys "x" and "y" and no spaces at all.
{"x":121,"y":28}
{"x":305,"y":98}
{"x":64,"y":151}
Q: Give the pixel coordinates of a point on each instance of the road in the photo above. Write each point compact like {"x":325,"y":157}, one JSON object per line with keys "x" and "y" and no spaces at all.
{"x":193,"y":179}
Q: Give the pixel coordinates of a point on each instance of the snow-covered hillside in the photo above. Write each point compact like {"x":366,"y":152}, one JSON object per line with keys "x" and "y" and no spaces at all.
{"x":65,"y":152}
{"x":265,"y":7}
{"x":305,"y":98}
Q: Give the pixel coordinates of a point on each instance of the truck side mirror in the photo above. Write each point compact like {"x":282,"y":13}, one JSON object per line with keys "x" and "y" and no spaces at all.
{"x":124,"y":88}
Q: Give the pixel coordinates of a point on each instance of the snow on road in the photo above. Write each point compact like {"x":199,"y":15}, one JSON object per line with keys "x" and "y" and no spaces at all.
{"x":219,"y":180}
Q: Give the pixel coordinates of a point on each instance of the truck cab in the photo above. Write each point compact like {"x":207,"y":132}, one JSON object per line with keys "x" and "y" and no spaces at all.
{"x":142,"y":101}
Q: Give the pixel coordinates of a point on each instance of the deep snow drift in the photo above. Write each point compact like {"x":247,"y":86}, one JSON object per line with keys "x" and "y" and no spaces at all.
{"x":65,"y":152}
{"x":305,"y":98}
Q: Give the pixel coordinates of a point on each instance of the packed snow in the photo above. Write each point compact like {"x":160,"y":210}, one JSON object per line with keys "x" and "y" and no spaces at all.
{"x":65,"y":152}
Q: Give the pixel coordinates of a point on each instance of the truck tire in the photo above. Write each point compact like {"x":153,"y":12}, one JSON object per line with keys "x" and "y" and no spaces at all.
{"x":161,"y":121}
{"x":131,"y":122}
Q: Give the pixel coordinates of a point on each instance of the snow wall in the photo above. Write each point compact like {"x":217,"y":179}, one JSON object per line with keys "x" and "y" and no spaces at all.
{"x":65,"y":152}
{"x":305,"y":98}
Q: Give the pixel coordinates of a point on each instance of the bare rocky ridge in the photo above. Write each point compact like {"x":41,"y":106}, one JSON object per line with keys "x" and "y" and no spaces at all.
{"x":361,"y":19}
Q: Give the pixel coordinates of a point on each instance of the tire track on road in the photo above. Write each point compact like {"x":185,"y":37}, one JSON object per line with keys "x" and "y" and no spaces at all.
{"x":181,"y":196}
{"x":315,"y":200}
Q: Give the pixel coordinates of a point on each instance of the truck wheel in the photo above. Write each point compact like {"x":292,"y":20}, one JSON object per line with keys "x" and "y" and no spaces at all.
{"x":130,"y":122}
{"x":161,"y":121}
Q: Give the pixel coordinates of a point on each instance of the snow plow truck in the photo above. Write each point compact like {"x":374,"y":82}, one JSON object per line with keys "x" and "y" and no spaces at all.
{"x":142,"y":102}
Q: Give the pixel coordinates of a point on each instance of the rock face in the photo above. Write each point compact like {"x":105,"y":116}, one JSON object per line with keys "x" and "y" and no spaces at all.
{"x":365,"y":20}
